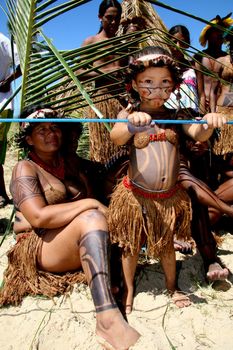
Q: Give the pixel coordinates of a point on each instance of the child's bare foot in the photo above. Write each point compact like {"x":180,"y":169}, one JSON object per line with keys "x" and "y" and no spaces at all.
{"x":113,"y":332}
{"x":180,"y":299}
{"x":217,"y":273}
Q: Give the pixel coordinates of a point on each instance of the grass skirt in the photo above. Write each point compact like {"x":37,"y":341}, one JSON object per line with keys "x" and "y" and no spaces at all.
{"x":132,"y":217}
{"x":101,"y":146}
{"x":224,"y":142}
{"x":22,"y":276}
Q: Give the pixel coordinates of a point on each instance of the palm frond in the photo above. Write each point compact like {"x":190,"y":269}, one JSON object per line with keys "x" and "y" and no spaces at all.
{"x":25,"y":18}
{"x":54,"y":79}
{"x":47,"y":71}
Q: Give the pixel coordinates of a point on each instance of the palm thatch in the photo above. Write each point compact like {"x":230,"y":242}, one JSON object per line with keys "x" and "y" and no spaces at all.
{"x":143,"y":12}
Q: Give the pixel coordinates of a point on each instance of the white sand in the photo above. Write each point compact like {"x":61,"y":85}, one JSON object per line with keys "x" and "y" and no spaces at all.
{"x":69,"y":323}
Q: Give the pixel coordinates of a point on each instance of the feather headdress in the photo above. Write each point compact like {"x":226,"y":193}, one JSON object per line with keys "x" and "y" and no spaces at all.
{"x":223,"y":22}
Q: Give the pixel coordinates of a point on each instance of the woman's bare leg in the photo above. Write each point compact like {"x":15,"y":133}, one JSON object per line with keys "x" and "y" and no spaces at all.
{"x":224,"y":193}
{"x":168,"y":262}
{"x":129,"y":264}
{"x":85,"y":243}
{"x":203,"y":193}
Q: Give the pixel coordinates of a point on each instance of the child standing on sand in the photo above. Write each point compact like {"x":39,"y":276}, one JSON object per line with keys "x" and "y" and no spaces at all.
{"x":149,"y":205}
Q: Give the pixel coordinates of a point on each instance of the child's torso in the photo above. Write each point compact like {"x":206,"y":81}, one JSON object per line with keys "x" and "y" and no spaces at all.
{"x":155,"y":166}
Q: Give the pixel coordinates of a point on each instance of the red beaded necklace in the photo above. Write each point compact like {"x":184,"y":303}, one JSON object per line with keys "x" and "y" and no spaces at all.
{"x":58,"y":171}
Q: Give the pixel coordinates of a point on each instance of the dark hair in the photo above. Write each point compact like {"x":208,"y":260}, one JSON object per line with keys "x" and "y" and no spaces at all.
{"x":68,"y":129}
{"x":106,"y":4}
{"x":212,"y":30}
{"x":135,"y":67}
{"x":179,"y":28}
{"x":20,"y":138}
{"x":31,"y":109}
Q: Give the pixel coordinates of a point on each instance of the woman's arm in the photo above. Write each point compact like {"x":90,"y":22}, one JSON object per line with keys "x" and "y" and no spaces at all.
{"x":27,"y":195}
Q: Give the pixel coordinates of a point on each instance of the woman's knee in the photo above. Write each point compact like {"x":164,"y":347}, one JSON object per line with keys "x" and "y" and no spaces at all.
{"x":92,"y":220}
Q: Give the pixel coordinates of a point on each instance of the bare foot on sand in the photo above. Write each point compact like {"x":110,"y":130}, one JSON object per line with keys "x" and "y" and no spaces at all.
{"x":217,"y":273}
{"x":113,"y":332}
{"x":180,"y":299}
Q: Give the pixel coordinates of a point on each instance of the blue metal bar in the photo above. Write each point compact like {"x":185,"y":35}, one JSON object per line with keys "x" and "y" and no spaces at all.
{"x":97,"y":120}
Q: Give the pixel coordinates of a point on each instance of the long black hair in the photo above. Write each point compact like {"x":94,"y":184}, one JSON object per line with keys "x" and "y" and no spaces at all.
{"x":179,"y":28}
{"x":106,"y":4}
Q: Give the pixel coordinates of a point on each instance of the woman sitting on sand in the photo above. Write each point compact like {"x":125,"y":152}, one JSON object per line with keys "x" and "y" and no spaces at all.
{"x":56,"y":238}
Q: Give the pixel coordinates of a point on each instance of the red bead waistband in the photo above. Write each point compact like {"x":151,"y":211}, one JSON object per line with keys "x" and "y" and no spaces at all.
{"x":153,"y":195}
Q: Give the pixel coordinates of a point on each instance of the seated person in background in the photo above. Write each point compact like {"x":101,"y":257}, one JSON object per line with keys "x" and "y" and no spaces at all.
{"x":186,"y":96}
{"x":199,"y":175}
{"x":222,"y":90}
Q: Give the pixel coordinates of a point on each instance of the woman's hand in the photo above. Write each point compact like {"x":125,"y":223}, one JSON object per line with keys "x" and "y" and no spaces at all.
{"x":90,"y":204}
{"x":138,"y":121}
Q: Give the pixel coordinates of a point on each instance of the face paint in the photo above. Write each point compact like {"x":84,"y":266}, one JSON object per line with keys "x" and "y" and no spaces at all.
{"x":150,"y":92}
{"x":154,"y":83}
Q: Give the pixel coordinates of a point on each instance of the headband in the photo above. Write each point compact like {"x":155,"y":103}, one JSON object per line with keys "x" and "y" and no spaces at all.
{"x":225,"y":22}
{"x":151,"y":59}
{"x":43,"y":113}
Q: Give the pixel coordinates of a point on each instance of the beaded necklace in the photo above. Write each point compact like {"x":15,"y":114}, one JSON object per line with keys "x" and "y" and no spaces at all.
{"x":57,"y":171}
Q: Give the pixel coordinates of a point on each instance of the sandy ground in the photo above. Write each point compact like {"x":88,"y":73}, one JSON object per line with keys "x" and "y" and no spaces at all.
{"x":69,"y":323}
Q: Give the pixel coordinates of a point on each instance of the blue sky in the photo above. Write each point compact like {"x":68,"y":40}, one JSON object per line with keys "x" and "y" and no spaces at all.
{"x":69,"y":30}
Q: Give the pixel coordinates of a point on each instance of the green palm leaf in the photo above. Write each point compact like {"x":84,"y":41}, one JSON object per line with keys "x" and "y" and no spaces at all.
{"x":55,"y":78}
{"x":48,"y":72}
{"x":25,"y":18}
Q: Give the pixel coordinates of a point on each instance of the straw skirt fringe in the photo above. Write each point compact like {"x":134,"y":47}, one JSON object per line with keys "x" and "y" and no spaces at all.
{"x":131,"y":218}
{"x":101,"y":147}
{"x":22,"y":276}
{"x":224,"y":143}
